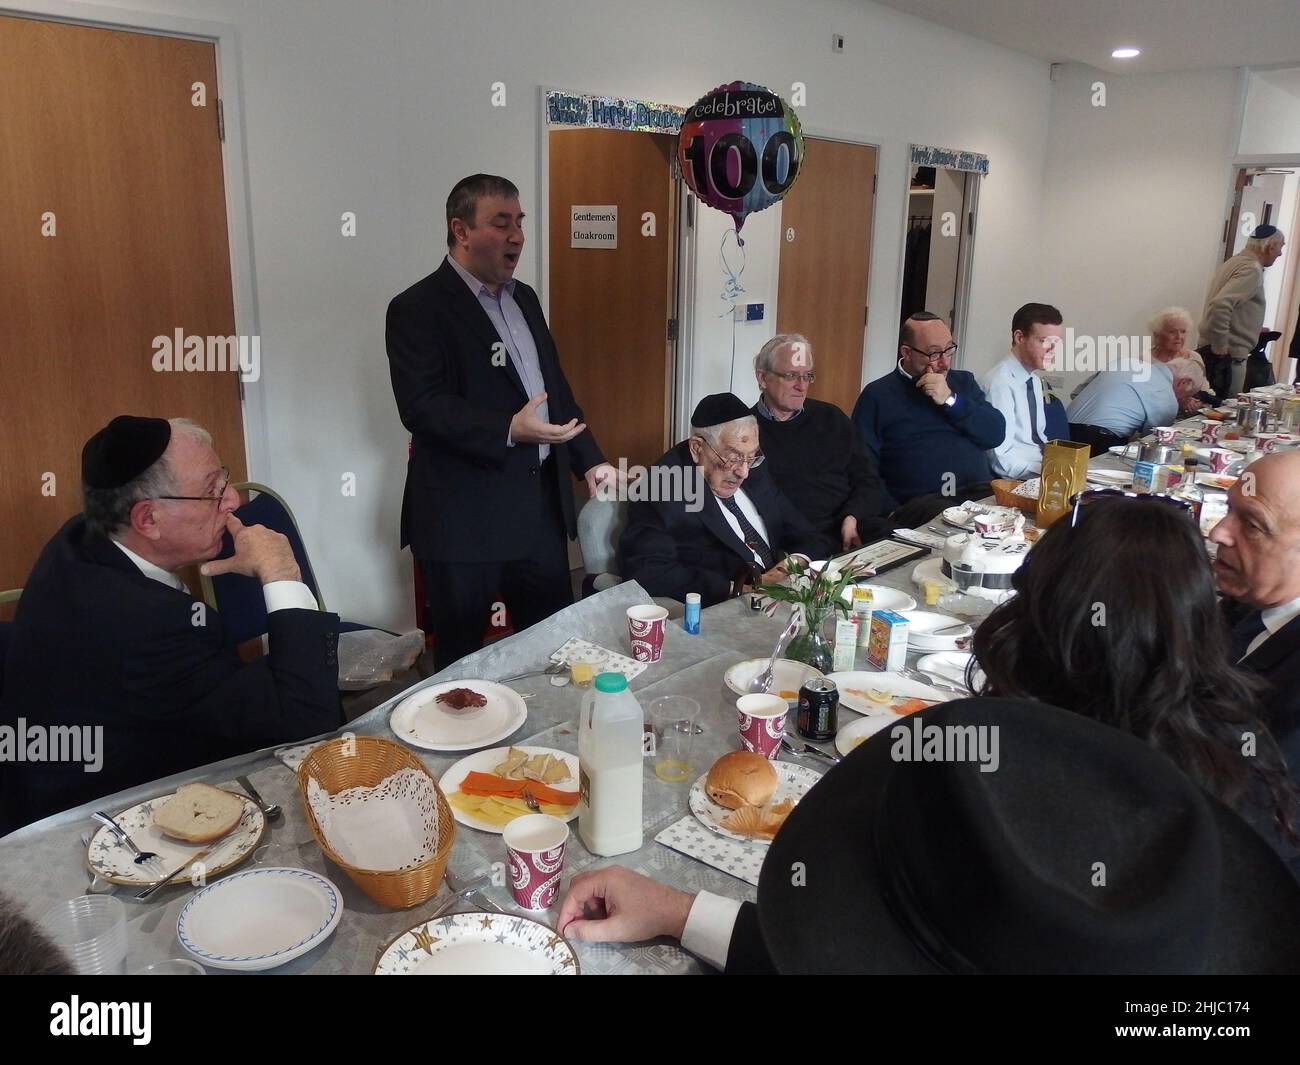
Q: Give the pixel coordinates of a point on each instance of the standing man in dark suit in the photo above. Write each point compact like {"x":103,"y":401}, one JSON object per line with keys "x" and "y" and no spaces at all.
{"x":488,"y":508}
{"x":724,"y":523}
{"x":109,"y":646}
{"x":1258,"y":566}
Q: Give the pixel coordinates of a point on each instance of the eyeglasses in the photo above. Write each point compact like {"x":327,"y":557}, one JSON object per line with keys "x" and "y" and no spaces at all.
{"x":221,"y":492}
{"x":794,"y":375}
{"x":731,"y":461}
{"x":1082,"y":498}
{"x":934,"y":356}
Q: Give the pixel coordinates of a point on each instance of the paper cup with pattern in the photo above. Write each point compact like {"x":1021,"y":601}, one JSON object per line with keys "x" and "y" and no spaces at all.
{"x":1221,"y":458}
{"x":762,"y":723}
{"x":1166,"y":434}
{"x":1212,"y":432}
{"x":535,"y":850}
{"x":645,"y":630}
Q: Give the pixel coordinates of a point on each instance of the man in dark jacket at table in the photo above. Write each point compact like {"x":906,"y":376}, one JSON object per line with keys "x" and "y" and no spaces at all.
{"x":1257,"y":566}
{"x":724,"y":524}
{"x":928,"y":426}
{"x":116,"y":675}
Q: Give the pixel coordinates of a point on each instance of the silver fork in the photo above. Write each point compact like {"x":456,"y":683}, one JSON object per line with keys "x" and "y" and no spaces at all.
{"x":141,"y":857}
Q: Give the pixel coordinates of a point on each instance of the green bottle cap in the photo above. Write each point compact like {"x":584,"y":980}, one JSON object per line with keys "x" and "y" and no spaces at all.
{"x":613,"y":683}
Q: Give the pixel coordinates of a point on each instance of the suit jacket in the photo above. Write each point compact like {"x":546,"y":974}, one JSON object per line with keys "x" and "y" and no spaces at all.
{"x":469,"y":496}
{"x":672,"y":551}
{"x":747,"y":953}
{"x":1277,"y":661}
{"x":97,"y":643}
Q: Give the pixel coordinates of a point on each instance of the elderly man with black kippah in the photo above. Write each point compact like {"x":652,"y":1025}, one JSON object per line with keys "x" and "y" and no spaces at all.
{"x":106,"y":635}
{"x":731,"y":533}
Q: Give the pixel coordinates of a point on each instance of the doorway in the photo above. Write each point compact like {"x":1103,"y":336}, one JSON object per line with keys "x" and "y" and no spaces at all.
{"x":611,"y":282}
{"x":115,"y":220}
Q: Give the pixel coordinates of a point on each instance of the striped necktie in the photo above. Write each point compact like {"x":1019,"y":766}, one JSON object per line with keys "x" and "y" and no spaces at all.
{"x":753,"y":540}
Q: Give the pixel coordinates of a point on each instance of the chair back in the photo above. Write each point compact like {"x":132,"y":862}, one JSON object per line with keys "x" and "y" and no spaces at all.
{"x":600,"y":523}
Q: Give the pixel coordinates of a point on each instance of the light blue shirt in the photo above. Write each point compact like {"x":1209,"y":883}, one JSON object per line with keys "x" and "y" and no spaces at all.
{"x":512,"y":328}
{"x":1116,"y":400}
{"x":1017,"y":455}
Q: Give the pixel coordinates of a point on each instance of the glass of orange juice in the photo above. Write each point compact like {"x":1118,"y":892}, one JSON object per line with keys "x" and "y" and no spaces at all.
{"x":582,"y":673}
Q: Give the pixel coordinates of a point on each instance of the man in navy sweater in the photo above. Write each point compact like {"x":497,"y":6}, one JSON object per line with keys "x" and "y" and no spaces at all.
{"x":928,"y":426}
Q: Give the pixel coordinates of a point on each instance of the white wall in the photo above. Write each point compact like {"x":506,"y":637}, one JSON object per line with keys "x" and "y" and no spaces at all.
{"x":379,"y":107}
{"x":1134,"y":195}
{"x":1271,"y":123}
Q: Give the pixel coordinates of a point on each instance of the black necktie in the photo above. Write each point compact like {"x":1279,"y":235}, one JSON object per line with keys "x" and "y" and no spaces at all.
{"x":1033,"y":410}
{"x":752,"y":539}
{"x":1243,"y":633}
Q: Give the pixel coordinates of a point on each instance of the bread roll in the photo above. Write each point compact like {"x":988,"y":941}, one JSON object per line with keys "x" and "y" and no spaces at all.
{"x":741,"y":778}
{"x":199,"y":813}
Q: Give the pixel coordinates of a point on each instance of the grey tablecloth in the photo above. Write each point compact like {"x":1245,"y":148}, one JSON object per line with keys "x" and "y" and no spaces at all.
{"x":45,"y":862}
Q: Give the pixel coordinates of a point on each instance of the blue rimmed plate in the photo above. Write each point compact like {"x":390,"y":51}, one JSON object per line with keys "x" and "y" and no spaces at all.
{"x":259,"y":919}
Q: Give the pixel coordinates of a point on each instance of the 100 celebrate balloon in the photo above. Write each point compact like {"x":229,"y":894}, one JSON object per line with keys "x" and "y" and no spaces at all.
{"x":740,"y":149}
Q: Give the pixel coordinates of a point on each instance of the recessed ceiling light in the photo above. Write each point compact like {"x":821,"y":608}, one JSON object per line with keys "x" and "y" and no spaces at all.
{"x":1125,"y":53}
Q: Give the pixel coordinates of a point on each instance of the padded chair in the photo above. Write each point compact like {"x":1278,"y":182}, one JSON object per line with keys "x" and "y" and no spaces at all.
{"x":11,"y":596}
{"x":600,"y":524}
{"x":239,"y":598}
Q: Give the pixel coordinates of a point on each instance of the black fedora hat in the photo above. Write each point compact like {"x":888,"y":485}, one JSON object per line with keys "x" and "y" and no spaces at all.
{"x":1075,"y":848}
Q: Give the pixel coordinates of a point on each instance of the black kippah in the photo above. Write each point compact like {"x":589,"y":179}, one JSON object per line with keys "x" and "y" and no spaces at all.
{"x":717,"y":409}
{"x":1264,"y":232}
{"x":122,"y":450}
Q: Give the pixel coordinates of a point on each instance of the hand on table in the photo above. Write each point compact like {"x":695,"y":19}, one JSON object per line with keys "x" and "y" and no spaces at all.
{"x":527,"y":428}
{"x":259,"y":552}
{"x":934,"y":385}
{"x":849,"y":536}
{"x":616,"y":905}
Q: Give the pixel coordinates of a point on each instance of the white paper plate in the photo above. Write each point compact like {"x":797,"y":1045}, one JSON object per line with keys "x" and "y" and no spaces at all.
{"x":919,"y":622}
{"x":857,"y":731}
{"x":259,"y":919}
{"x":787,"y":675}
{"x":110,"y":859}
{"x":485,"y":762}
{"x":950,"y":666}
{"x":1109,"y":478}
{"x":850,"y":682}
{"x":883,"y":598}
{"x":793,"y":782}
{"x":419,"y":721}
{"x":478,"y":944}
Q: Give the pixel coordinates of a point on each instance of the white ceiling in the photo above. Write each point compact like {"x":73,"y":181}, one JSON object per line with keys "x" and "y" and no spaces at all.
{"x":1173,"y":34}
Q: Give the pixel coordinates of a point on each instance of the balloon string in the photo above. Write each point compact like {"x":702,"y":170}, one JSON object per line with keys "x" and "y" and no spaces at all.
{"x":732,"y":289}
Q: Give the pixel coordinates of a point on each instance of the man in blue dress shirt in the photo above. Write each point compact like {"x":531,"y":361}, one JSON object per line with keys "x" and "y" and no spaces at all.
{"x":928,"y":426}
{"x":1015,"y":389}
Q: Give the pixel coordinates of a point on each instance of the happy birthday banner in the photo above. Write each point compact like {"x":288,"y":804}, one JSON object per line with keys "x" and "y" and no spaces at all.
{"x":612,"y":112}
{"x":950,"y":159}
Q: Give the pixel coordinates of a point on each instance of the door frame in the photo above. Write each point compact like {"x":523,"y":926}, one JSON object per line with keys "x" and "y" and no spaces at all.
{"x":239,"y":222}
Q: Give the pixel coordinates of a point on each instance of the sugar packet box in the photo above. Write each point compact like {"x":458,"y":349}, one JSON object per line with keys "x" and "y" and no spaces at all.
{"x":887,"y":644}
{"x":1155,"y":476}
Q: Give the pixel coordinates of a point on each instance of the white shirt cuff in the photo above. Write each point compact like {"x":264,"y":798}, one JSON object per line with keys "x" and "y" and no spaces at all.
{"x":708,"y":929}
{"x":288,"y":595}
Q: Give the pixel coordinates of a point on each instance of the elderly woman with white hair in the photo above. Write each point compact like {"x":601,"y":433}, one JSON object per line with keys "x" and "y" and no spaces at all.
{"x":1169,"y":330}
{"x":1234,"y":310}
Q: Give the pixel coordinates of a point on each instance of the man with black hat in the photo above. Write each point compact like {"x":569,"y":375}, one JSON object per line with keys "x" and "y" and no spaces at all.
{"x":108,"y":642}
{"x":731,"y":533}
{"x":913,"y":856}
{"x":1234,"y":310}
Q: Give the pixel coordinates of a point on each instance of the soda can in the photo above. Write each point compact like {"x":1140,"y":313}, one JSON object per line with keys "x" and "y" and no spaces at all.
{"x":819,"y":704}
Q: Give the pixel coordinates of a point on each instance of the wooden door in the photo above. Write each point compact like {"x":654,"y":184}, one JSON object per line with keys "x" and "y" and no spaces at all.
{"x":609,"y":309}
{"x":114,"y":232}
{"x":822,"y":287}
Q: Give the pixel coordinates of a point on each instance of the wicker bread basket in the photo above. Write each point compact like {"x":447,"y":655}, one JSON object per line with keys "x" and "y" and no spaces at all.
{"x":366,"y":761}
{"x":1004,"y":495}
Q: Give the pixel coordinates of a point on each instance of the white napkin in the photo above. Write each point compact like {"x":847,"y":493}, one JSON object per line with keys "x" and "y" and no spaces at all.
{"x":603,"y":659}
{"x":730,"y":856}
{"x":391,"y":826}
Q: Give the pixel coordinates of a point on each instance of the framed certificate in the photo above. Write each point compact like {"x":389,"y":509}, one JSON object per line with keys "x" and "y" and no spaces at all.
{"x":883,"y":555}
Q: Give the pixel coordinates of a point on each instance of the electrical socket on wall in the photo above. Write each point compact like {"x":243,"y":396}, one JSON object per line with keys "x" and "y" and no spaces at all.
{"x":837,"y":43}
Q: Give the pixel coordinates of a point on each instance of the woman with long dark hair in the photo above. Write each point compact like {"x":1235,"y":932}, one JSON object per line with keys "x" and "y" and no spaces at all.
{"x":1115,"y":618}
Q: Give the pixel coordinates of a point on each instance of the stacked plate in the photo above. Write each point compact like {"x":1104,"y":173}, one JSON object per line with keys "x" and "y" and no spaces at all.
{"x":922,"y":624}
